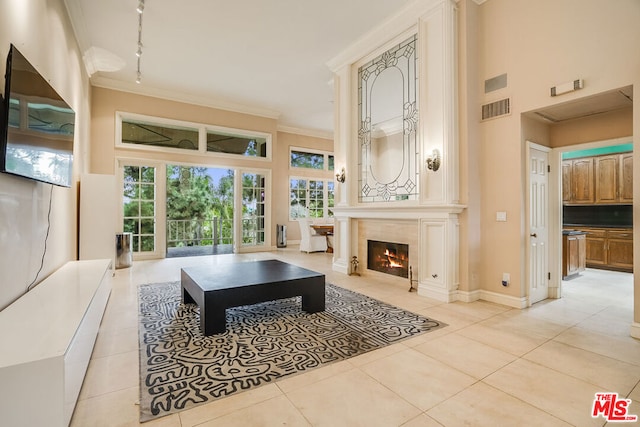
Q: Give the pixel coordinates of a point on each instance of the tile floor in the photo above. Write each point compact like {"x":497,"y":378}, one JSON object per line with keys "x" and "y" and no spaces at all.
{"x":491,"y":366}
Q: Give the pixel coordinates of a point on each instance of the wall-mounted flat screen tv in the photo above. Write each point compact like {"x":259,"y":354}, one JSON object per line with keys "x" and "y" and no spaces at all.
{"x":36,"y":138}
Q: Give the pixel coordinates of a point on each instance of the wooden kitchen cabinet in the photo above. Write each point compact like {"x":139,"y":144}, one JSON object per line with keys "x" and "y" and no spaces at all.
{"x":582,"y":180}
{"x":573,"y":254}
{"x":578,"y":181}
{"x":606,"y":171}
{"x":626,"y":178}
{"x":600,"y":180}
{"x":620,"y":249}
{"x":567,"y":182}
{"x":596,"y":247}
{"x":609,"y":248}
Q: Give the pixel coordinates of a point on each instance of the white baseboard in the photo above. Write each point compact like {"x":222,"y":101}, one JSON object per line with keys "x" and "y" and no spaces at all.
{"x":479,"y":294}
{"x":438,"y":294}
{"x":515,"y":302}
{"x":469,"y":296}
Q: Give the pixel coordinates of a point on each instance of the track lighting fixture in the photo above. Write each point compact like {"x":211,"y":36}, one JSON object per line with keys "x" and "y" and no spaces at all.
{"x":139,"y":9}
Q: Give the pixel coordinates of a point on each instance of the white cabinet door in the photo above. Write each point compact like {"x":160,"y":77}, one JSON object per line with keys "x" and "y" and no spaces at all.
{"x":433,"y":269}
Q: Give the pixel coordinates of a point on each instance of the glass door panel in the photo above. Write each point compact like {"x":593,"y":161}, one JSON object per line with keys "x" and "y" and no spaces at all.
{"x":139,"y":207}
{"x":253,"y":209}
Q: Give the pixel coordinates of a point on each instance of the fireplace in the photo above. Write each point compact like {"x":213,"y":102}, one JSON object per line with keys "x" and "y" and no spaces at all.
{"x":387,"y":257}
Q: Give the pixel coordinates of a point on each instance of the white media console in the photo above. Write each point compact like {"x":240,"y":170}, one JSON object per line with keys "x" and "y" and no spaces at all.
{"x":46,"y":341}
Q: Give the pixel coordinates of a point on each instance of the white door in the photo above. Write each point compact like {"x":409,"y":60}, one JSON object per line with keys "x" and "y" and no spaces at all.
{"x":538,"y":224}
{"x":253,"y":224}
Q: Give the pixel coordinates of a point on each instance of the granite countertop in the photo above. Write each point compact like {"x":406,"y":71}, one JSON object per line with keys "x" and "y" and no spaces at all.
{"x":573,"y":232}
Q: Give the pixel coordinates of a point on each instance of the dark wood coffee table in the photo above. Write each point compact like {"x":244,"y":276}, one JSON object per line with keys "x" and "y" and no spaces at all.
{"x":218,"y":287}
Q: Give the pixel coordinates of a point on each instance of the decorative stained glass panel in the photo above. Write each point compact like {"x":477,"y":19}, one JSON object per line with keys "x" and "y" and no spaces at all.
{"x":388,"y":125}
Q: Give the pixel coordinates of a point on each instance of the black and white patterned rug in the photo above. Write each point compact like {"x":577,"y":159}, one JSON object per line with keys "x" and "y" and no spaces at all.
{"x":180,"y":368}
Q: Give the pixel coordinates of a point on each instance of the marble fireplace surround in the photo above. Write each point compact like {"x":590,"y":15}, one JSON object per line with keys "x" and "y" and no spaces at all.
{"x":430,"y":231}
{"x":402,"y":231}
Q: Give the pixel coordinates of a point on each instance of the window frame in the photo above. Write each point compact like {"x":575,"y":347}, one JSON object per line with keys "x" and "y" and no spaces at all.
{"x":202,"y":129}
{"x":325,"y":196}
{"x":325,"y":153}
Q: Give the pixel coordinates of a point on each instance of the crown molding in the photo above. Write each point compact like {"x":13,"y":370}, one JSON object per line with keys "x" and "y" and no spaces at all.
{"x":131,"y":87}
{"x":315,"y":133}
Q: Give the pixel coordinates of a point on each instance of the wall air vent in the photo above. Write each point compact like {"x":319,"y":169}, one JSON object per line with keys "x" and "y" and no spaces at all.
{"x":495,"y":83}
{"x":496,"y":109}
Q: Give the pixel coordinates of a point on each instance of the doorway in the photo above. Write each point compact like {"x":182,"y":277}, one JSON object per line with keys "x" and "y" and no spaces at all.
{"x":605,"y":118}
{"x":200,"y":211}
{"x":187,"y":210}
{"x":597,"y":200}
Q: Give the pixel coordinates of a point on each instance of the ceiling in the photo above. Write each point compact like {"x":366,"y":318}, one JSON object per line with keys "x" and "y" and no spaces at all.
{"x":263,"y":57}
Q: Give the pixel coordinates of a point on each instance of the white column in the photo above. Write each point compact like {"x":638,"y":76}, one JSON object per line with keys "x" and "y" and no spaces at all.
{"x":438,"y":103}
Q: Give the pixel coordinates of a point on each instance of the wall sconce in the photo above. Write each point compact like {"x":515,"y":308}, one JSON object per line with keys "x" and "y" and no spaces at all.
{"x":340,"y":176}
{"x":433,"y":161}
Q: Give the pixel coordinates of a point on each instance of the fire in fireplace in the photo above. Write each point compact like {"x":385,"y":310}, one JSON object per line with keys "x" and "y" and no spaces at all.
{"x":387,"y":257}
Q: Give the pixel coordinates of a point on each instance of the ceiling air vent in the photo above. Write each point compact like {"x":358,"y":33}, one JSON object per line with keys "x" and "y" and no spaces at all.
{"x":496,"y":109}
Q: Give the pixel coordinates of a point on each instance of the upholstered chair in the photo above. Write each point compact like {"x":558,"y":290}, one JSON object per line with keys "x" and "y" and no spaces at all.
{"x":309,"y":240}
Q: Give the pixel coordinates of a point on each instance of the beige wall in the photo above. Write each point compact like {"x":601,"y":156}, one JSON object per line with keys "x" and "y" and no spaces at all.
{"x":540,"y":44}
{"x":281,"y":176}
{"x":42,"y":32}
{"x":106,"y":102}
{"x":616,"y":124}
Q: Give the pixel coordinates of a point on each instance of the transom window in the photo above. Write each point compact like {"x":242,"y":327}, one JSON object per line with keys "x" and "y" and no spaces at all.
{"x":219,"y":142}
{"x":311,"y":159}
{"x":157,"y":134}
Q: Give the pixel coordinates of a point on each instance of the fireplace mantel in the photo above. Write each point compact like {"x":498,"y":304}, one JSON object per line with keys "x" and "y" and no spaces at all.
{"x":435,"y":235}
{"x":397,"y":212}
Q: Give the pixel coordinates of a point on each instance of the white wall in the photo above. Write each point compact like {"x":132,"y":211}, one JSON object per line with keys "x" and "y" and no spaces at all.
{"x":42,"y":32}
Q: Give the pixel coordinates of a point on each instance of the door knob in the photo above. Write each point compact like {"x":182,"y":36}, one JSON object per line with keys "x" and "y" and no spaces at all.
{"x":533,"y":235}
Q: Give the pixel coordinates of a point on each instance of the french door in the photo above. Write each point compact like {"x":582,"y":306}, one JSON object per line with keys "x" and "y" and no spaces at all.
{"x":254,"y":223}
{"x":144,"y":210}
{"x":142,"y":214}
